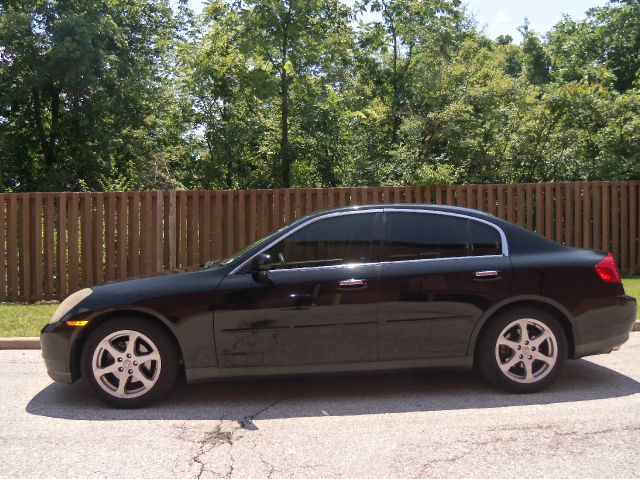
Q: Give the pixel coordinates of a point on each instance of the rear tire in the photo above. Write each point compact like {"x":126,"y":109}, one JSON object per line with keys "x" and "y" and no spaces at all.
{"x":129,"y":362}
{"x":522,"y":350}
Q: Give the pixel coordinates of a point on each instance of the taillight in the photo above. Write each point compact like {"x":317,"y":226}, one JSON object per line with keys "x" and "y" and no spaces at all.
{"x":607,"y":270}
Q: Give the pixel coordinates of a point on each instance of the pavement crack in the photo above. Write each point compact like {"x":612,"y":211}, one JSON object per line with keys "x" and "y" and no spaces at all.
{"x":210,"y":441}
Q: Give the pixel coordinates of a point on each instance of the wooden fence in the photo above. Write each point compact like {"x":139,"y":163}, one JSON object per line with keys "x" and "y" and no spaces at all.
{"x":55,"y":243}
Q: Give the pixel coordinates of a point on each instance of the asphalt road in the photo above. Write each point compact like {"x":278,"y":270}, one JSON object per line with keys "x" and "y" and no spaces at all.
{"x":417,"y":424}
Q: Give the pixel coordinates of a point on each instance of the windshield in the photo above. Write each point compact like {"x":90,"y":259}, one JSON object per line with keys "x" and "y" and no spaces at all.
{"x":243,"y":251}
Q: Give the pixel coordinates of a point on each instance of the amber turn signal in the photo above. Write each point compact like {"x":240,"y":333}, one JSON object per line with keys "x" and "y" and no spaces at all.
{"x":76,"y":323}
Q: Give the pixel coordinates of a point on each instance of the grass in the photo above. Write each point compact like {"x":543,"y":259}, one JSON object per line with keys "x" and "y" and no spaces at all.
{"x":18,"y":319}
{"x":632,"y":286}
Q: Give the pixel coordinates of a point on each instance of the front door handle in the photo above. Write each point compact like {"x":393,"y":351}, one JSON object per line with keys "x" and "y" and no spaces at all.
{"x":350,"y":284}
{"x":487,"y":274}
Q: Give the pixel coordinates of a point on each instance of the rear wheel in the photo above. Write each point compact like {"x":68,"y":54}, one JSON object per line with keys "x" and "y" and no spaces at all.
{"x":129,"y":362}
{"x":522,"y":350}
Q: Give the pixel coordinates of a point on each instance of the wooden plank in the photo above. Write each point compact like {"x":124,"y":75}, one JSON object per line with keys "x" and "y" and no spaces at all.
{"x":230,"y":223}
{"x":548,"y":211}
{"x":217,"y":225}
{"x":480,"y":204}
{"x":577,"y":218}
{"x":12,"y":247}
{"x":450,"y":195}
{"x":134,"y":235}
{"x":3,"y":252}
{"x":252,"y":230}
{"x":86,"y":239}
{"x":25,"y":245}
{"x":111,"y":259}
{"x":501,"y":202}
{"x":491,"y":199}
{"x":172,"y":228}
{"x":36,"y":246}
{"x":205,"y":228}
{"x":586,"y":216}
{"x":62,"y":287}
{"x":624,"y":226}
{"x":73,"y":244}
{"x":146,"y":233}
{"x":606,"y":216}
{"x":276,"y":210}
{"x":182,"y":230}
{"x":539,"y":209}
{"x":49,"y":263}
{"x":192,"y":228}
{"x":521,"y":205}
{"x":122,"y":269}
{"x":615,"y":220}
{"x":568,"y":213}
{"x":558,"y":213}
{"x":439,"y":194}
{"x":529,"y":195}
{"x":470,"y":197}
{"x":511,"y":203}
{"x":596,"y":189}
{"x":242,"y":221}
{"x":98,"y":238}
{"x":633,"y":226}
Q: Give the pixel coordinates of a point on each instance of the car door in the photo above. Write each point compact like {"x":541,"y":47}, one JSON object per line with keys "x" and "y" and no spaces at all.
{"x":315,"y":306}
{"x":439,"y":273}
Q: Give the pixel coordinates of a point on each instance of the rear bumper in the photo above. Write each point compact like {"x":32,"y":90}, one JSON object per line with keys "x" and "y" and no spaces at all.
{"x":56,"y":352}
{"x":605,"y":329}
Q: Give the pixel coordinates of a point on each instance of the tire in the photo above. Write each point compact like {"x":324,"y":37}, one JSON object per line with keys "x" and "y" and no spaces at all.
{"x":522,"y":363}
{"x":148,"y":366}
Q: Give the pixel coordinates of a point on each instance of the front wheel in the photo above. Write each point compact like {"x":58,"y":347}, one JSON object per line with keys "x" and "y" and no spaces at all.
{"x":129,"y":362}
{"x":522,"y":350}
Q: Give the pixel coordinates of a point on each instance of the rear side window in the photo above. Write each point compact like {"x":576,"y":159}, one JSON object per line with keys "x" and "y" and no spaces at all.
{"x":413,"y":236}
{"x":333,"y":241}
{"x":485,"y":239}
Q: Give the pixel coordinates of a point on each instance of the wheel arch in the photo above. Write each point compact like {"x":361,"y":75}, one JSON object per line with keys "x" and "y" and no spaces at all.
{"x":563,"y":316}
{"x":100,"y":318}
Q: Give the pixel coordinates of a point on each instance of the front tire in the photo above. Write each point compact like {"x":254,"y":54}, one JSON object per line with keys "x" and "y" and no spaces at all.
{"x":522,"y":350}
{"x":129,"y":362}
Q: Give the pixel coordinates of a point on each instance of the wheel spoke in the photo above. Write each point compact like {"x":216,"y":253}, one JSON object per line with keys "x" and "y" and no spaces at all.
{"x":528,"y":369}
{"x":112,"y":368}
{"x":524,"y":333}
{"x":131,"y":344}
{"x":541,"y":339}
{"x":111,"y":349}
{"x":502,"y":341}
{"x":124,"y":379}
{"x":143,"y":358}
{"x":511,"y":362}
{"x":139,"y":376}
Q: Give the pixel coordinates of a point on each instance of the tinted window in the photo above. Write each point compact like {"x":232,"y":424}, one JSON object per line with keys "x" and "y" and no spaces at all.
{"x":426,"y":236}
{"x":332,"y":241}
{"x":485,"y":239}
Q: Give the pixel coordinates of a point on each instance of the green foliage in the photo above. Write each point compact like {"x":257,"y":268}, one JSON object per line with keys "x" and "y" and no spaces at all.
{"x":135,"y":94}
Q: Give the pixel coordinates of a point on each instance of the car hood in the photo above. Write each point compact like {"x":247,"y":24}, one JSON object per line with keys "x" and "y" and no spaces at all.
{"x":141,"y":291}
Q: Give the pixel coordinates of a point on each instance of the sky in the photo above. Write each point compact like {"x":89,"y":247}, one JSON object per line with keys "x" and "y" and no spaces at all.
{"x":503,"y":17}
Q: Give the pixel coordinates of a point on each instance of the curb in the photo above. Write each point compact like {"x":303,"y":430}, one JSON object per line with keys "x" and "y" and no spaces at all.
{"x":19,"y":343}
{"x":34,"y":343}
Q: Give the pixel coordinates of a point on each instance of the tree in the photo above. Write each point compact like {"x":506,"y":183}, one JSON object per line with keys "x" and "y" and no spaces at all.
{"x":80,"y":81}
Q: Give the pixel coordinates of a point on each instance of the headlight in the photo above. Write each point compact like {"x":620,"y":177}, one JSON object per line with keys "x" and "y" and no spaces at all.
{"x":68,"y":304}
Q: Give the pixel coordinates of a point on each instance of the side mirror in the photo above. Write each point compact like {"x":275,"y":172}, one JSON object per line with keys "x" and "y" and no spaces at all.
{"x":261,"y":263}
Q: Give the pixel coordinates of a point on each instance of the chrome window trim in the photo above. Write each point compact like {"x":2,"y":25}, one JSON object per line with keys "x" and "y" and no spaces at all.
{"x":503,"y":239}
{"x":300,"y":226}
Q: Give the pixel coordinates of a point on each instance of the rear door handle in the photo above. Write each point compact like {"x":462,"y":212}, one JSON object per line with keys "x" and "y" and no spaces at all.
{"x":349,"y":284}
{"x":487,"y":274}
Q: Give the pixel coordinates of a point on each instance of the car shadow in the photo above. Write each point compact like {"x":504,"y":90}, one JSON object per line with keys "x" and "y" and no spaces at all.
{"x":334,"y":395}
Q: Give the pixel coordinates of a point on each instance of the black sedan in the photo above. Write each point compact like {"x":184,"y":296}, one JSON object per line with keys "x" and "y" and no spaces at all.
{"x":351,"y":289}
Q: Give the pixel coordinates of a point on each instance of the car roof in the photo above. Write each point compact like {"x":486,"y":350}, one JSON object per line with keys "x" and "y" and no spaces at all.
{"x":411,"y":206}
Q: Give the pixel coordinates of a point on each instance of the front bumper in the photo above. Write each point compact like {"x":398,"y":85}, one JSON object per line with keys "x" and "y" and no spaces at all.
{"x":56,"y":342}
{"x":605,"y":329}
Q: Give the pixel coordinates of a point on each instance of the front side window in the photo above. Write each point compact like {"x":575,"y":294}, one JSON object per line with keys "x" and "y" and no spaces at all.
{"x":345,"y":239}
{"x":413,"y":236}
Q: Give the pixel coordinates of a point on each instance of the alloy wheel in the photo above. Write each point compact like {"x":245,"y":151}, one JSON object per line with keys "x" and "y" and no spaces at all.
{"x":526,"y":350}
{"x":126,"y":364}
